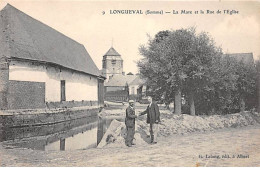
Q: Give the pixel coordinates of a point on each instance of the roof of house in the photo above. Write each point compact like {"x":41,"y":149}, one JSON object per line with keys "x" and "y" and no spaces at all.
{"x":246,"y":58}
{"x":112,"y":52}
{"x":24,"y":37}
{"x":137,"y":81}
{"x":120,"y":80}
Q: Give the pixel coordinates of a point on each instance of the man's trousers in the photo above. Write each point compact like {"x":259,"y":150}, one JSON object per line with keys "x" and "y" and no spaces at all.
{"x":130,"y":135}
{"x":153,"y":131}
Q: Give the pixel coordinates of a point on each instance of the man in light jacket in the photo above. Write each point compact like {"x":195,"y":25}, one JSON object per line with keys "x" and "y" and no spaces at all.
{"x":153,"y":118}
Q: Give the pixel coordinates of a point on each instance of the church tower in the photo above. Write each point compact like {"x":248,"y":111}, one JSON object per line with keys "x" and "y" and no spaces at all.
{"x":112,"y":63}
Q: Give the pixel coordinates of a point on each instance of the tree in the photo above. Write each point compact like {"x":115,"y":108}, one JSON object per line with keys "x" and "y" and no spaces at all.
{"x":258,"y":85}
{"x":160,"y":66}
{"x":176,"y":62}
{"x":197,"y":65}
{"x":246,"y":84}
{"x":216,"y":97}
{"x":231,"y":87}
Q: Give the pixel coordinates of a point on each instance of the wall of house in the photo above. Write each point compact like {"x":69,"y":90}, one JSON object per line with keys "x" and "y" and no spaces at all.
{"x":78,"y":86}
{"x":133,"y":92}
{"x":133,"y":89}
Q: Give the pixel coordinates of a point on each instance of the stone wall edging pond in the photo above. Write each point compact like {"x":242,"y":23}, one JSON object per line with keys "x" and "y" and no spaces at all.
{"x":45,"y":117}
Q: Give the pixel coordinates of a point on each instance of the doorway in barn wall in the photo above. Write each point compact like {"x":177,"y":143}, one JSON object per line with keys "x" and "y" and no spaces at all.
{"x":62,"y":88}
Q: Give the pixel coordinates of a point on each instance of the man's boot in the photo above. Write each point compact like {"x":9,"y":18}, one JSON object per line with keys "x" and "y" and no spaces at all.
{"x":152,"y":138}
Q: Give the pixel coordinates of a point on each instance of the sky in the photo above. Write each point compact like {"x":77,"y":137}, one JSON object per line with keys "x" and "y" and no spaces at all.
{"x":84,"y":22}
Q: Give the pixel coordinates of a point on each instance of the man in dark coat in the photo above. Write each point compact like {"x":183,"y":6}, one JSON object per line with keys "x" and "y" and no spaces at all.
{"x":130,"y":123}
{"x":153,"y":118}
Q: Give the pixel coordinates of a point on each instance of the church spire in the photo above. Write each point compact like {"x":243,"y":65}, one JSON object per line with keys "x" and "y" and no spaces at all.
{"x":112,"y":52}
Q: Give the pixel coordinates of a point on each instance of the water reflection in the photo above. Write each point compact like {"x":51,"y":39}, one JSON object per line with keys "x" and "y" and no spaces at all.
{"x":77,"y":134}
{"x":85,"y":140}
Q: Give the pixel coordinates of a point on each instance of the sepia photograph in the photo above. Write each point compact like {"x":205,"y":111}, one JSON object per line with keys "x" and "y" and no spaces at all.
{"x":129,"y":83}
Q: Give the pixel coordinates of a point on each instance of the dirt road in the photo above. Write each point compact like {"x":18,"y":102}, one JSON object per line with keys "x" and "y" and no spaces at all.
{"x":227,"y":147}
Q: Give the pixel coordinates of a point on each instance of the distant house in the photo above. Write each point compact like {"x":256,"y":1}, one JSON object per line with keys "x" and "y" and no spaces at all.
{"x":137,"y":87}
{"x":40,"y":67}
{"x":142,"y":91}
{"x":117,"y":88}
{"x":246,"y":58}
{"x":125,"y":87}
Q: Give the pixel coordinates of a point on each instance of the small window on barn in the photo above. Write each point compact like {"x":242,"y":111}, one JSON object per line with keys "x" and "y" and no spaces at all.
{"x":113,"y":61}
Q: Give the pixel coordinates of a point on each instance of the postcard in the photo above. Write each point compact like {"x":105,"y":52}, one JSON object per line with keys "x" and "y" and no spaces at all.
{"x":129,"y":83}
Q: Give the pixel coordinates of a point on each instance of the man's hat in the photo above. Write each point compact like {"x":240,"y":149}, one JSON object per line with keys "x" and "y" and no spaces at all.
{"x":131,"y":101}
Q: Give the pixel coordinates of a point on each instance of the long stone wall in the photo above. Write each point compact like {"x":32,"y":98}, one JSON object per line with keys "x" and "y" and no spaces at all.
{"x":45,"y":117}
{"x":120,"y":95}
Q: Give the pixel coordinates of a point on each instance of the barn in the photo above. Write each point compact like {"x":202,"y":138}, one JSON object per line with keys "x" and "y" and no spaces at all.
{"x":42,"y":68}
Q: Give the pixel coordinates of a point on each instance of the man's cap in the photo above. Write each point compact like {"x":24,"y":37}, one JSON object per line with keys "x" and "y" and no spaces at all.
{"x":131,"y":101}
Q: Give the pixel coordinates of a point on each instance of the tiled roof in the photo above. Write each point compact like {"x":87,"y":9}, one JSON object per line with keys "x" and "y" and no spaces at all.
{"x":123,"y":80}
{"x":23,"y":37}
{"x":120,"y":80}
{"x":137,"y":81}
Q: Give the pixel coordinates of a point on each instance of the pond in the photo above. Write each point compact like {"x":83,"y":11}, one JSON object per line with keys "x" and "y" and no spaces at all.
{"x":81,"y":133}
